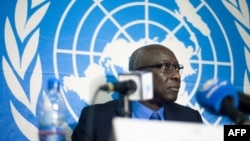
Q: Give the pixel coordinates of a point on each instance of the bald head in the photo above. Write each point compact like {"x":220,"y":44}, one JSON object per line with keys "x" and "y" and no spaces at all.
{"x":147,"y":55}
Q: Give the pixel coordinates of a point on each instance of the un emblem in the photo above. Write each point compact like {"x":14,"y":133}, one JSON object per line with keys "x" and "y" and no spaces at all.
{"x":102,"y":39}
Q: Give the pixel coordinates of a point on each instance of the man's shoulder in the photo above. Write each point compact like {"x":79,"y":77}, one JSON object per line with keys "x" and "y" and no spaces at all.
{"x":109,"y":104}
{"x":180,"y":107}
{"x":183,"y":113}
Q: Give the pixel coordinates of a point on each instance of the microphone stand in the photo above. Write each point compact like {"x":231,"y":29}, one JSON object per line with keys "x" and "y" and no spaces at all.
{"x":126,"y":106}
{"x":228,"y":109}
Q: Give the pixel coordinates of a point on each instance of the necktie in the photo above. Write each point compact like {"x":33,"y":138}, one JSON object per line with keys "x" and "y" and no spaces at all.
{"x":155,"y":116}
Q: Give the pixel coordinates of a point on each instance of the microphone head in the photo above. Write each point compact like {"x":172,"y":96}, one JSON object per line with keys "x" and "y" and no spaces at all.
{"x":144,"y":84}
{"x":214,"y":91}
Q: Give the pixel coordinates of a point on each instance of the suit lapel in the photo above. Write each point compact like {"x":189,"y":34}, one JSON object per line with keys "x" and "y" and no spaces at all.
{"x":168,"y":112}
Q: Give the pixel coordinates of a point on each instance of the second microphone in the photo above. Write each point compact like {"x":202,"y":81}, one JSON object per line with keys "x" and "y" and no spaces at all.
{"x":138,"y":85}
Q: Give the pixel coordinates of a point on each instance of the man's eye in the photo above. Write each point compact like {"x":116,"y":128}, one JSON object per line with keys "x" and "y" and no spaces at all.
{"x":167,"y":66}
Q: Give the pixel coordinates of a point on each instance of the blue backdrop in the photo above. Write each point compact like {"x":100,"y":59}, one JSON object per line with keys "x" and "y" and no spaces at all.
{"x":86,"y":43}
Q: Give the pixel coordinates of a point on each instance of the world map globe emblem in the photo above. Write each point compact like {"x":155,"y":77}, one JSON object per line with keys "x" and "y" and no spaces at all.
{"x":102,"y":36}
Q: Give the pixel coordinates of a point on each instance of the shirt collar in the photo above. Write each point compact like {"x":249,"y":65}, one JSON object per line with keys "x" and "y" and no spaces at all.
{"x":141,"y":111}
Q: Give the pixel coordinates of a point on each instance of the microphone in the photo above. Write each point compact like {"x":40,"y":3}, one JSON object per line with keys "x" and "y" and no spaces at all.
{"x":124,"y":87}
{"x":220,"y":97}
{"x":244,"y":104}
{"x":138,"y":85}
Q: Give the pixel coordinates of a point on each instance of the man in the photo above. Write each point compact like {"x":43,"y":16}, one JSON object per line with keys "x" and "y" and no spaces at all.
{"x":95,"y":123}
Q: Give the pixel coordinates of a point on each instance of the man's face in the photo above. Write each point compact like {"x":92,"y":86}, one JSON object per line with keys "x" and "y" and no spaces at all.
{"x":166,"y":79}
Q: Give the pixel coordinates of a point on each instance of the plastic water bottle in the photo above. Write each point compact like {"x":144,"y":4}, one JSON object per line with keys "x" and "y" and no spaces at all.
{"x":52,"y":114}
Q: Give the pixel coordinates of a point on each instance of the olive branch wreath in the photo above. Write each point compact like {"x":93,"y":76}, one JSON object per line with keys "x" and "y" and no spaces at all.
{"x":15,"y":65}
{"x":241,"y":13}
{"x":26,"y":30}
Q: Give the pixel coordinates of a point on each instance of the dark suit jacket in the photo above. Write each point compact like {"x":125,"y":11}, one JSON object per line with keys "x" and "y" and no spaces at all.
{"x":95,"y":122}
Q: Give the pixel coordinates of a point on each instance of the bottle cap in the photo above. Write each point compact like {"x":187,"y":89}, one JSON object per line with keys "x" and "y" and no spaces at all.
{"x":53,"y":83}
